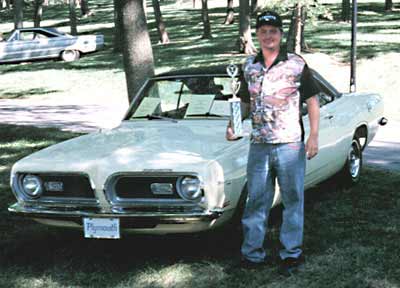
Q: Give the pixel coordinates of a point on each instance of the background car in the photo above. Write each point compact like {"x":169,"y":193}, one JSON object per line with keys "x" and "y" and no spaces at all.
{"x":39,"y":43}
{"x":167,"y":168}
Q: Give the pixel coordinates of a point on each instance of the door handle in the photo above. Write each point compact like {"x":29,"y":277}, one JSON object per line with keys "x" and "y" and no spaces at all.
{"x":329,"y":117}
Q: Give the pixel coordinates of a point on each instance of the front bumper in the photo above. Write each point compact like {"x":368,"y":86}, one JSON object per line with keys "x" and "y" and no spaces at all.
{"x":129,"y":220}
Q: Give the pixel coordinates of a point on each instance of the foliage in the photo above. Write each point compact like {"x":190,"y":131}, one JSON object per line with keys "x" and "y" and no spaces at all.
{"x":314,"y":9}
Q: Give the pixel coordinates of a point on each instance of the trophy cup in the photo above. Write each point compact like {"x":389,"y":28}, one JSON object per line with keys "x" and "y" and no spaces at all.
{"x":236,"y":114}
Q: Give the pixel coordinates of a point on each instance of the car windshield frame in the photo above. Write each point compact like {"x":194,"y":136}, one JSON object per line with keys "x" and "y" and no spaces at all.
{"x":184,"y":86}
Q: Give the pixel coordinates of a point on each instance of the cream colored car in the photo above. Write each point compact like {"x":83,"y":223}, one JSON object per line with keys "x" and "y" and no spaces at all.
{"x":167,"y":168}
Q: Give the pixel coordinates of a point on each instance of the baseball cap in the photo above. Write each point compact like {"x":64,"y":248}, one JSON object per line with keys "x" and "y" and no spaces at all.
{"x":269,"y":18}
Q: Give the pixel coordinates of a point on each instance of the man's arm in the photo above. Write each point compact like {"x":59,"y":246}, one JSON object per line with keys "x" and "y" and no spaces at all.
{"x":313,"y":115}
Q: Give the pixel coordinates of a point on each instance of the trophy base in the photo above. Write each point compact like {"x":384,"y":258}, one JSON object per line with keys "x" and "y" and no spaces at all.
{"x":236,"y":116}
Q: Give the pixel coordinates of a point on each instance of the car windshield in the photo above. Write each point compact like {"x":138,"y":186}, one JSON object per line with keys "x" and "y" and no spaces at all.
{"x":183,"y":98}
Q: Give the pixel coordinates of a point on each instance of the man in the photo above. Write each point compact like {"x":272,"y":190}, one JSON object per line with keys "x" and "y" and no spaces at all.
{"x":278,"y":82}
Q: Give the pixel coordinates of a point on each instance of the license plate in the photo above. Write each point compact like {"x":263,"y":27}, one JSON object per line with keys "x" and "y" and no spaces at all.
{"x":101,"y":228}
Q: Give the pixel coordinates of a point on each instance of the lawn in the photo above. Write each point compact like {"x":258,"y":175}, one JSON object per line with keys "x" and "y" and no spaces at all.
{"x":351,"y":235}
{"x":351,"y":240}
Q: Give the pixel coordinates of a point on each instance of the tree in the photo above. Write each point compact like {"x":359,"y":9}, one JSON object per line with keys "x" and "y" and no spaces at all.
{"x":295,"y":39}
{"x":4,"y":4}
{"x":346,"y":10}
{"x":18,"y":13}
{"x":72,"y":17}
{"x":388,"y":5}
{"x":206,"y":20}
{"x":117,"y":27}
{"x":162,"y":30}
{"x":136,"y":46}
{"x":38,"y":12}
{"x":254,"y":6}
{"x":246,"y":44}
{"x":230,"y":13}
{"x":85,"y":8}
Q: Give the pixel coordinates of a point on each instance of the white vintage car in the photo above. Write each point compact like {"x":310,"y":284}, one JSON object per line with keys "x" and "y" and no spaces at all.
{"x":27,"y":44}
{"x":167,"y":168}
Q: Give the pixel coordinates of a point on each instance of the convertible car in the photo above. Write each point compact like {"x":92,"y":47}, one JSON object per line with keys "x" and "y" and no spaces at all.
{"x":167,"y":168}
{"x":27,"y":44}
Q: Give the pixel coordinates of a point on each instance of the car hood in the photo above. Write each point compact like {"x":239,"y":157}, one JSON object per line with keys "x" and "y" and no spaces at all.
{"x":136,"y":146}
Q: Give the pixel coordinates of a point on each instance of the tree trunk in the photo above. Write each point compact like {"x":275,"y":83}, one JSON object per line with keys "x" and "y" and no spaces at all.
{"x":254,"y":6}
{"x":295,"y":36}
{"x":85,"y":10}
{"x":206,"y":20}
{"x":117,"y":27}
{"x":18,"y":13}
{"x":38,"y":12}
{"x":72,"y":17}
{"x":303,"y":44}
{"x":388,"y":5}
{"x":246,"y":44}
{"x":230,"y":13}
{"x":136,"y":45}
{"x":346,"y":10}
{"x":162,"y":30}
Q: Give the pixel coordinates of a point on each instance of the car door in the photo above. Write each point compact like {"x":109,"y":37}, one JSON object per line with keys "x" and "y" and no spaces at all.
{"x":24,"y":46}
{"x":320,"y":167}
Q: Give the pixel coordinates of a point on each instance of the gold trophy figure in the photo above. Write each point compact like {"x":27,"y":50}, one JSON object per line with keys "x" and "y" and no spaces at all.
{"x":236,"y":113}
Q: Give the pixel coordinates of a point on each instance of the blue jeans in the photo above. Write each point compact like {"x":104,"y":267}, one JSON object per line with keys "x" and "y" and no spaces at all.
{"x":266,"y":164}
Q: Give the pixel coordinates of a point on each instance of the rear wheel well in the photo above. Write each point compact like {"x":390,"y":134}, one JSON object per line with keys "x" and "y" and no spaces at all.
{"x":361,"y":135}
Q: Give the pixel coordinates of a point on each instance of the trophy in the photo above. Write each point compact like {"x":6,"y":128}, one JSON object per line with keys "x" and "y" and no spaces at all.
{"x":236,"y":114}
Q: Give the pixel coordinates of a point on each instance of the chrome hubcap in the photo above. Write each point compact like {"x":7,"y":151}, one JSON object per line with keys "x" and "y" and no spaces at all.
{"x":354,"y":161}
{"x":69,"y":55}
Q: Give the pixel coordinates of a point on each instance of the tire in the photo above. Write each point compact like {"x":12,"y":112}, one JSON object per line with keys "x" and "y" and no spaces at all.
{"x":350,"y":174}
{"x":237,"y":215}
{"x":70,"y":55}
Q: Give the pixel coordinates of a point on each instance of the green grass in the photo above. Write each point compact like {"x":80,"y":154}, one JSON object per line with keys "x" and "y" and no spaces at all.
{"x":351,"y":240}
{"x":351,"y":235}
{"x":102,"y":74}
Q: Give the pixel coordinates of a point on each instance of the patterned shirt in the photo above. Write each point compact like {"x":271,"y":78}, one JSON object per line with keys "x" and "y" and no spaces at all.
{"x":276,"y":94}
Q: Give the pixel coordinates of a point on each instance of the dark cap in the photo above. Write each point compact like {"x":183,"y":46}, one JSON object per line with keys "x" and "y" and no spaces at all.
{"x":269,"y":18}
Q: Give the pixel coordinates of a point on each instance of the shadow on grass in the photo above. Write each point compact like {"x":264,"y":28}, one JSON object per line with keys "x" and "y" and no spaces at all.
{"x":61,"y":116}
{"x":24,"y":93}
{"x":350,"y":239}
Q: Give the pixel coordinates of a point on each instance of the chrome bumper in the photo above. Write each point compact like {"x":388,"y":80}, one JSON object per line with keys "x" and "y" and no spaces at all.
{"x":148,"y":217}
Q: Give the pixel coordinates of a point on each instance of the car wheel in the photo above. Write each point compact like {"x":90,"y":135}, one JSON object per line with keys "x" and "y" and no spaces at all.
{"x":351,"y":171}
{"x":69,"y":55}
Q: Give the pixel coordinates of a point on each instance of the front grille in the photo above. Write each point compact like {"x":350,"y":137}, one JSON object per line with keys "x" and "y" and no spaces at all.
{"x":74,"y":186}
{"x":129,"y":187}
{"x":60,"y":188}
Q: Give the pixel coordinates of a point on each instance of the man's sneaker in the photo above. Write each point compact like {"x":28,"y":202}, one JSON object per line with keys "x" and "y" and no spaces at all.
{"x":289,"y":266}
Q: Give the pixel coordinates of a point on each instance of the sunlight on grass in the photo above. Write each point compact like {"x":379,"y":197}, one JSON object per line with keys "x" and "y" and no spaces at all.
{"x":35,"y":282}
{"x":23,"y":144}
{"x":182,"y":275}
{"x":376,"y":39}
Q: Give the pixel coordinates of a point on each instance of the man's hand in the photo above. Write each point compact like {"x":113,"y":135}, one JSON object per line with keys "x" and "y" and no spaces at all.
{"x":229,"y":134}
{"x":312,"y":146}
{"x":313,"y":115}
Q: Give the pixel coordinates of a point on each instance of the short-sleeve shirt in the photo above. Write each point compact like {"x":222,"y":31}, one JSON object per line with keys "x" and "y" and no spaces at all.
{"x":276,"y":94}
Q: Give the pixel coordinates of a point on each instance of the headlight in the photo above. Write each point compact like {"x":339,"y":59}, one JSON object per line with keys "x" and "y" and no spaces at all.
{"x":32,"y":186}
{"x":189,"y":188}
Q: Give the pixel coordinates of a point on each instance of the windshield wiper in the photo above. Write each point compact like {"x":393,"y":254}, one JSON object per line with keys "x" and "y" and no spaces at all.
{"x":155,"y":117}
{"x":206,"y":114}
